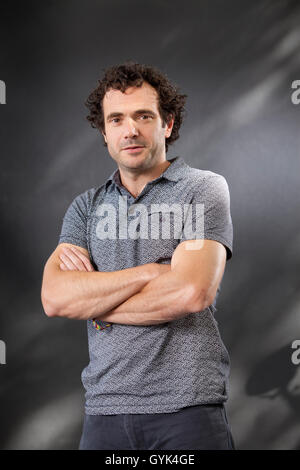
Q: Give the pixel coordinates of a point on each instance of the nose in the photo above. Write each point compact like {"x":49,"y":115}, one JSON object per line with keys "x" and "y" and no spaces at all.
{"x":130,"y":129}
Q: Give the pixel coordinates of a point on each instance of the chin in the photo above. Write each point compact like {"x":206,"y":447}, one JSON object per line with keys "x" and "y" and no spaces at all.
{"x":133,"y":159}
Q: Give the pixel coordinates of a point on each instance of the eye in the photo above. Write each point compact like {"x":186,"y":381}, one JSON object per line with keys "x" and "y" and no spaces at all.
{"x":114,"y":119}
{"x":145,"y":115}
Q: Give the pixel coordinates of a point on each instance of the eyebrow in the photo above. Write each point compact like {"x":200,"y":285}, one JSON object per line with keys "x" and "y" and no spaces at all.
{"x":138,"y":111}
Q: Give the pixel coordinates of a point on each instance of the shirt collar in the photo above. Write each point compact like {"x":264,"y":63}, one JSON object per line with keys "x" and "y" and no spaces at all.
{"x":174,"y":172}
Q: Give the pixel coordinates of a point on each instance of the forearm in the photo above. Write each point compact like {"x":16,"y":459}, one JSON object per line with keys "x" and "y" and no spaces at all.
{"x":165,"y":298}
{"x":84,"y":295}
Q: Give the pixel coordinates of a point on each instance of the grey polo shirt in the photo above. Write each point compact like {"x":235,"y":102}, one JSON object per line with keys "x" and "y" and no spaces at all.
{"x":154,"y":368}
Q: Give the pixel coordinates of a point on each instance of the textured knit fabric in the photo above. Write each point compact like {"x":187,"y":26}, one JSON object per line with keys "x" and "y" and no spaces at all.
{"x":151,"y":368}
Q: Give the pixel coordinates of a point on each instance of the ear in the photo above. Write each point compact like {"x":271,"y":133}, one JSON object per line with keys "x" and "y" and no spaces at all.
{"x":104,"y":136}
{"x":169,"y":126}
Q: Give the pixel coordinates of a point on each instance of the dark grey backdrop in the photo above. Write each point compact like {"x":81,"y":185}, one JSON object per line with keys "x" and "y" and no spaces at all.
{"x":236,"y":61}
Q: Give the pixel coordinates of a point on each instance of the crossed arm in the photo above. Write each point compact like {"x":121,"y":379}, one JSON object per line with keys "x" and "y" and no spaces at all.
{"x":163,"y":293}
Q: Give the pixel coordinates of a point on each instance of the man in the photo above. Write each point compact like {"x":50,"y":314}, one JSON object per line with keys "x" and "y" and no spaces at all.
{"x":158,"y":370}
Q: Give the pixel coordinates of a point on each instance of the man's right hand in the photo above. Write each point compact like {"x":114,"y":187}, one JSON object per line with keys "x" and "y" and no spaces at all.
{"x":81,"y":297}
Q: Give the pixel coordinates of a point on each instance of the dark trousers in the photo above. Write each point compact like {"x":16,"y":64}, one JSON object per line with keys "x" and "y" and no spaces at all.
{"x":200,"y":427}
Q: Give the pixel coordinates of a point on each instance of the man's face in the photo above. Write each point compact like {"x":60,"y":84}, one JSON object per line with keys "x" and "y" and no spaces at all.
{"x":132,"y":119}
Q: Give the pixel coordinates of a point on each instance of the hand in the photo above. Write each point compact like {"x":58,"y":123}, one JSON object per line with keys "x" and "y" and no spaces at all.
{"x":74,"y":260}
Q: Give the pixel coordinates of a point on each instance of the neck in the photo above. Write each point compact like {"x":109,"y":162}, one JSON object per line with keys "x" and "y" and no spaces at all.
{"x":135,"y":182}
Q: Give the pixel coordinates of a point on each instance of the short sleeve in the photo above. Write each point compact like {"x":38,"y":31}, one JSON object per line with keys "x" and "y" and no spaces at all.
{"x":74,"y":226}
{"x":214,"y":198}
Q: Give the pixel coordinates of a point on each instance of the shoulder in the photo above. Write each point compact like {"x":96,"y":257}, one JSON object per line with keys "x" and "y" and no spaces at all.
{"x":205,"y":181}
{"x":90,"y":196}
{"x":83,"y":204}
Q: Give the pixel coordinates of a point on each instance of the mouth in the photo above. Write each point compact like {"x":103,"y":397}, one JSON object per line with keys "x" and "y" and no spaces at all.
{"x":134,"y":149}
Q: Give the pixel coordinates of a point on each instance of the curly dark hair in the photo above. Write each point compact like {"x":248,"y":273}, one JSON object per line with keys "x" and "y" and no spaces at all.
{"x":120,"y":77}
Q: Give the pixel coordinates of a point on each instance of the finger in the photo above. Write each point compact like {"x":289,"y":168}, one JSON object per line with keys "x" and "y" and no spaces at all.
{"x":68,"y":262}
{"x":86,"y":261}
{"x":75,"y":259}
{"x":63,"y":267}
{"x":71,"y":266}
